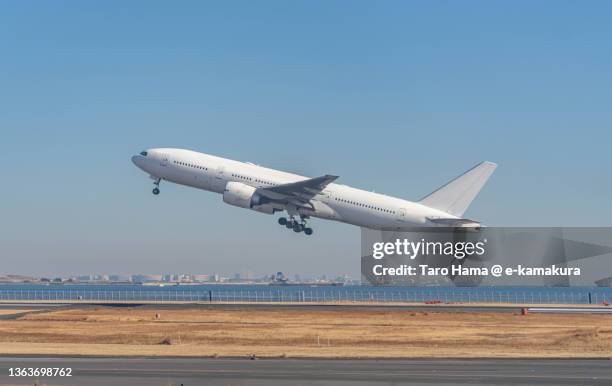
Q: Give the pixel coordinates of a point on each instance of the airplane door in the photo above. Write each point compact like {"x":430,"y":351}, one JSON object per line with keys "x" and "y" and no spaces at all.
{"x":219,"y":179}
{"x":164,"y":159}
{"x":401,"y":214}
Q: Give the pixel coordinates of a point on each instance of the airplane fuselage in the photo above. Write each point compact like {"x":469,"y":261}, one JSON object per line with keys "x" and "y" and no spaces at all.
{"x":336,"y":202}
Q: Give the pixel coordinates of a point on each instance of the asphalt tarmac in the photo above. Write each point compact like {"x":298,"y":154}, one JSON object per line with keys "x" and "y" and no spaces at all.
{"x":382,"y":306}
{"x":243,"y":371}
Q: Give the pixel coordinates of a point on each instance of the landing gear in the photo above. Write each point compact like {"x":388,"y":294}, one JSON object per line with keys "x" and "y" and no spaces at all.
{"x":284,"y":221}
{"x":156,"y":188}
{"x":295,"y":225}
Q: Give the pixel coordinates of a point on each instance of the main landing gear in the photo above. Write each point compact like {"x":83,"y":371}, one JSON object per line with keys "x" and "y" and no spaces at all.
{"x":156,"y":188}
{"x":297,"y":227}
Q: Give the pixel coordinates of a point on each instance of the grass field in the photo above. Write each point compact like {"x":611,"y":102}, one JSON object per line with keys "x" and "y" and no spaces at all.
{"x":295,"y":332}
{"x":8,"y":311}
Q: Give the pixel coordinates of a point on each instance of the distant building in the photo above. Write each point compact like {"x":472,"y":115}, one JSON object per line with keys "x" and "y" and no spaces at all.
{"x":116,"y":278}
{"x":279,"y":278}
{"x":201,"y":278}
{"x":186,"y":278}
{"x":168,"y":277}
{"x":17,"y":278}
{"x":145,"y":278}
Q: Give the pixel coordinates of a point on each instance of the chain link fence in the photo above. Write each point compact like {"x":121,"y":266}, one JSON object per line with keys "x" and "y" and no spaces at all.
{"x":315,"y":295}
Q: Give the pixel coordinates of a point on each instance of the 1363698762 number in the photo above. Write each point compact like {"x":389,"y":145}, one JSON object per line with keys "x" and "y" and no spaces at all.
{"x":40,"y":372}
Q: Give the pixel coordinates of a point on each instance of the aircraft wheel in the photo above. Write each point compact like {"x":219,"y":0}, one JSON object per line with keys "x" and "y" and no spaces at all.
{"x":297,"y":228}
{"x":156,"y":191}
{"x":282,"y":221}
{"x":308,"y":231}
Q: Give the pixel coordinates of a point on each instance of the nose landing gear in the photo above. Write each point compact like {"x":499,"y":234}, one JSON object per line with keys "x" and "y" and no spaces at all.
{"x":156,"y":188}
{"x":297,"y":227}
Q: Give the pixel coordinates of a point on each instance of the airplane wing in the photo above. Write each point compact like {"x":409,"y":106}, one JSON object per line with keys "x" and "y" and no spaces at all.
{"x":298,"y":193}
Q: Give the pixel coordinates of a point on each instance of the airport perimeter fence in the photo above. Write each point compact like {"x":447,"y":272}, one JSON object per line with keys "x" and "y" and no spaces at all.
{"x":315,"y":295}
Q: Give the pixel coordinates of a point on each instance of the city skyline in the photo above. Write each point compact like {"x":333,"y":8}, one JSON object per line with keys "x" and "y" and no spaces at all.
{"x":210,"y":278}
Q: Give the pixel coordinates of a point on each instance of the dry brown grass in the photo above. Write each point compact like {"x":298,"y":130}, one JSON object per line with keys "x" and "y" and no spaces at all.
{"x":6,"y":311}
{"x":294,"y":332}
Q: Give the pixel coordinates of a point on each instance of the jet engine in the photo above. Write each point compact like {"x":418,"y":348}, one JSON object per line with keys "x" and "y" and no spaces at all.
{"x":244,"y":196}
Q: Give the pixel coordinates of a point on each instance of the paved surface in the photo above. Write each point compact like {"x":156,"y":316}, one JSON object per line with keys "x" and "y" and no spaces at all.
{"x":24,"y":306}
{"x":493,"y":307}
{"x":565,"y":310}
{"x":177,"y":371}
{"x":23,"y":309}
{"x":370,"y":306}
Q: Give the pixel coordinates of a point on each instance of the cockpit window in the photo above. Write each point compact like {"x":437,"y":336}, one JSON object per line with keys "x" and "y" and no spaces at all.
{"x":143,"y":153}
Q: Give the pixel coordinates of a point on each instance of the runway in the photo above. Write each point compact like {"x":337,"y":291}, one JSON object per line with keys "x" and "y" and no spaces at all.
{"x":191,"y":371}
{"x":347,"y":307}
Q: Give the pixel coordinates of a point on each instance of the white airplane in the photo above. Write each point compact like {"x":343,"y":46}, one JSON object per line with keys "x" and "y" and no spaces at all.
{"x":265,"y":190}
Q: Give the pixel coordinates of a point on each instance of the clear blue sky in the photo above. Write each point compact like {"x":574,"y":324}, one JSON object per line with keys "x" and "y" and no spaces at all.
{"x":393,"y":96}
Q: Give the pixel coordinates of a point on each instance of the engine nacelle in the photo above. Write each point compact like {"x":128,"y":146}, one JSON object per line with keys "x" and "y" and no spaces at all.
{"x":238,"y":194}
{"x":244,"y":196}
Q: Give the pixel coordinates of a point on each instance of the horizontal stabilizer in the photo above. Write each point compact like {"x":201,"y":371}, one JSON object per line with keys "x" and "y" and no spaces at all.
{"x":455,"y":222}
{"x":457,"y":195}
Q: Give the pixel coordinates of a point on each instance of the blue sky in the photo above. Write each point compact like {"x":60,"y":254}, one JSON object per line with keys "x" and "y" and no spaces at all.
{"x":396,"y":97}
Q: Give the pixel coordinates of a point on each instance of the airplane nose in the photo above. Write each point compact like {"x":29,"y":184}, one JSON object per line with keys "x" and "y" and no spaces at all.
{"x":139,"y":161}
{"x":136,"y":160}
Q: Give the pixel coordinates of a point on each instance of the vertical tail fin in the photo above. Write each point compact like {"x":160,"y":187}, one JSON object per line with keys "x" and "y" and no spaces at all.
{"x":457,"y":195}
